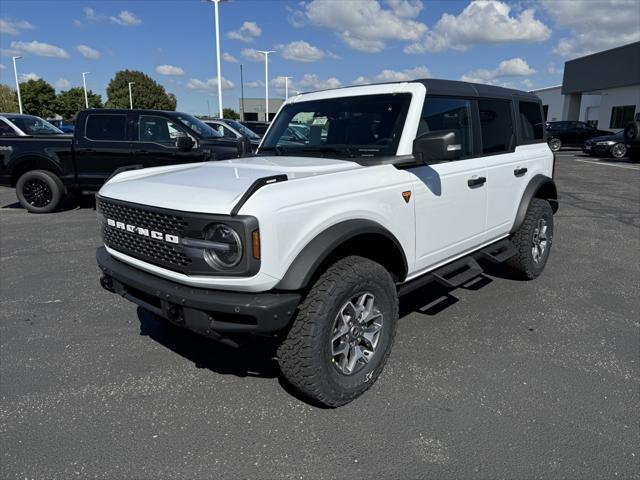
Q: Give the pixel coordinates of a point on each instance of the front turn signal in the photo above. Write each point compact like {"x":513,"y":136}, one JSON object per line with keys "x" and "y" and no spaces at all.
{"x":255,"y":244}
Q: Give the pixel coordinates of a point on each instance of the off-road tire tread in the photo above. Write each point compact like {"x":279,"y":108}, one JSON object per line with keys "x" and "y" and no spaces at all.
{"x":522,"y":262}
{"x":295,"y":355}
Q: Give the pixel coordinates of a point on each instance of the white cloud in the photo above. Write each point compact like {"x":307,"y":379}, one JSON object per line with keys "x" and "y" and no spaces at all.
{"x":126,"y":19}
{"x":254,"y":84}
{"x":553,"y":69}
{"x":25,"y":77}
{"x":2,"y":67}
{"x":312,"y":82}
{"x":169,"y":70}
{"x":88,"y":52}
{"x":395,"y":76}
{"x":300,"y":51}
{"x":62,"y":83}
{"x":209,"y":85}
{"x":515,"y":67}
{"x":248,"y":32}
{"x":527,"y":83}
{"x":9,"y":27}
{"x":252,"y":54}
{"x":39,"y":48}
{"x":227,"y":57}
{"x":365,"y":25}
{"x":594,"y":26}
{"x":482,"y":21}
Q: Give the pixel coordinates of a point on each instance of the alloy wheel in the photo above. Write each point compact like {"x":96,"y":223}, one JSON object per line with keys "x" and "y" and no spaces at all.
{"x":618,"y":150}
{"x":540,"y":241}
{"x":37,"y":193}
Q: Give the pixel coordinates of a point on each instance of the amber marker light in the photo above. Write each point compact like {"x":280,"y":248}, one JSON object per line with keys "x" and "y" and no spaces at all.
{"x":255,"y":244}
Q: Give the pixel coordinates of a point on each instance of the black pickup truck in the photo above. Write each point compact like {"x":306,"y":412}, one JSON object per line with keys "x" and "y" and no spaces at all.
{"x":44,"y":169}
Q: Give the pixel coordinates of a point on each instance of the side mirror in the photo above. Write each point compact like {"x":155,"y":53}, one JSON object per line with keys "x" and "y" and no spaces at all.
{"x":184,"y":143}
{"x":437,"y":146}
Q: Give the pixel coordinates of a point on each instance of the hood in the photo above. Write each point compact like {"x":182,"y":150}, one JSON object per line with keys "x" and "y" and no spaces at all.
{"x":212,"y":187}
{"x":605,"y":138}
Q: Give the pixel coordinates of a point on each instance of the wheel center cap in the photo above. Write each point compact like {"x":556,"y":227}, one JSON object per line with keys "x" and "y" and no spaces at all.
{"x":355,"y":331}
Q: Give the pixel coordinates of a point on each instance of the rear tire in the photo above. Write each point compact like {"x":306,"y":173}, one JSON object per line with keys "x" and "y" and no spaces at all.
{"x":619,"y":150}
{"x":533,"y":240}
{"x":333,"y":319}
{"x":555,"y":144}
{"x":39,"y":191}
{"x":632,"y":132}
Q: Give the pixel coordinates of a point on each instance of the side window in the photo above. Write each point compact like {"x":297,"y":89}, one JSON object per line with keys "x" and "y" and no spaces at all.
{"x":157,"y":129}
{"x":531,"y":124}
{"x":106,"y":127}
{"x":440,"y":113}
{"x":496,"y":125}
{"x":6,"y":130}
{"x":225,"y":132}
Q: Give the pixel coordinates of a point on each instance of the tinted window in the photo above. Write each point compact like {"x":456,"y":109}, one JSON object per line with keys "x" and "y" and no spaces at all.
{"x":107,"y":127}
{"x":448,"y":114}
{"x":496,"y":125}
{"x":531,"y":126}
{"x":34,"y":125}
{"x":6,"y":130}
{"x":157,"y":129}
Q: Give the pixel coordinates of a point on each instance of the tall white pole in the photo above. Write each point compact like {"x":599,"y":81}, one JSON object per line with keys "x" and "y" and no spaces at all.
{"x":84,"y":84}
{"x":266,"y":83}
{"x":215,"y":2}
{"x":15,"y":73}
{"x":286,"y":88}
{"x":131,"y":95}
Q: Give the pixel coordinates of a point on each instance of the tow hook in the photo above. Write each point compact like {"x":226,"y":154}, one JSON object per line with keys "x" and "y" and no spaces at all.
{"x":107,"y":283}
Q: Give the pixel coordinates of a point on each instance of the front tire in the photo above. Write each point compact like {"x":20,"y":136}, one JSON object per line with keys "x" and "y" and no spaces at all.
{"x":341,"y":337}
{"x":555,"y":144}
{"x":619,"y":150}
{"x":39,"y":191}
{"x":533,"y":240}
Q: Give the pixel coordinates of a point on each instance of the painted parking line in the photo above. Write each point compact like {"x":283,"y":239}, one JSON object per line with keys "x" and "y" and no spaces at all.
{"x":628,"y":167}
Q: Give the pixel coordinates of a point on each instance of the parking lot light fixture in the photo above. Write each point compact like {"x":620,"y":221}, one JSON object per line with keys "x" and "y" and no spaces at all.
{"x":215,"y":3}
{"x":286,"y":87}
{"x":15,"y":73}
{"x":84,"y":84}
{"x":131,"y":95}
{"x":266,"y":82}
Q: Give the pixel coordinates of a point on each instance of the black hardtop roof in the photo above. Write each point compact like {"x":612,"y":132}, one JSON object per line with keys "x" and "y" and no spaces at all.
{"x":128,"y":110}
{"x":436,"y":86}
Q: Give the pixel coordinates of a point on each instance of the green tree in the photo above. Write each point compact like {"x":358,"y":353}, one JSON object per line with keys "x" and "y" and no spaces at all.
{"x":38,"y":98}
{"x":147,"y":93}
{"x":230,"y":113}
{"x":8,"y":99}
{"x":70,"y":102}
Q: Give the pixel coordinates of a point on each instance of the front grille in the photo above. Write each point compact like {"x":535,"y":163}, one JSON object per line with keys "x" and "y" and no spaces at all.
{"x":143,"y":218}
{"x":155,"y":251}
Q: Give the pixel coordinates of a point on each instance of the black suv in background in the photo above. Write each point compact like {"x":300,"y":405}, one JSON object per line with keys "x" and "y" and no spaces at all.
{"x":43,"y":169}
{"x":571,"y":134}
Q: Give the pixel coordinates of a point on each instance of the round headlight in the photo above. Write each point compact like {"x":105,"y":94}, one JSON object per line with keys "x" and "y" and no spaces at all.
{"x":227,"y":251}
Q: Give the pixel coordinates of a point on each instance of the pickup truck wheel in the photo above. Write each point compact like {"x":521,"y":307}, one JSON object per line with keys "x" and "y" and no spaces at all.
{"x":342,"y":334}
{"x":39,"y":191}
{"x":533,"y":240}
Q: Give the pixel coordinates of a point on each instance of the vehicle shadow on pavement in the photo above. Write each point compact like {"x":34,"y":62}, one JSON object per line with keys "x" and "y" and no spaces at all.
{"x":70,"y":202}
{"x":255,"y":357}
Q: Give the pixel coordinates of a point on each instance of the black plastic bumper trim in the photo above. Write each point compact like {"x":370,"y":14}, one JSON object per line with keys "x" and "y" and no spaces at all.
{"x":201,"y":310}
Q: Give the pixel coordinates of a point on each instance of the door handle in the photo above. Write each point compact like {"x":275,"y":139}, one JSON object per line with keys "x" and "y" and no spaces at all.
{"x":518,"y":172}
{"x":476,"y":182}
{"x":142,"y":152}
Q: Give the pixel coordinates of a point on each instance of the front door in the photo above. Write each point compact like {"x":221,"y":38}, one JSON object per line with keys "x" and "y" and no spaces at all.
{"x":451,"y":197}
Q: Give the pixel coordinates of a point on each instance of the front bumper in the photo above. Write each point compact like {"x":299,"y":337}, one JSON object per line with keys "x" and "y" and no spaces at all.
{"x":208,"y":312}
{"x":593,"y":149}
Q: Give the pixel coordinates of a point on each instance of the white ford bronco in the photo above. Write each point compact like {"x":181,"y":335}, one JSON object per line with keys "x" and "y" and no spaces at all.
{"x":357,"y":196}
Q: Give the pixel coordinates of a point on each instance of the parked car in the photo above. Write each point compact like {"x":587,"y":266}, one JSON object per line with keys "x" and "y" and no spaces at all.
{"x":259,"y":128}
{"x":571,"y":134}
{"x":632,"y":138}
{"x":413,"y":183}
{"x":608,"y":146}
{"x":43,"y":168}
{"x":234,"y":130}
{"x":20,"y":125}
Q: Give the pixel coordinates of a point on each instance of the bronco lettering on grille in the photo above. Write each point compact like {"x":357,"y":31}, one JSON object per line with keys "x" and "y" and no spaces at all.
{"x":145,"y":232}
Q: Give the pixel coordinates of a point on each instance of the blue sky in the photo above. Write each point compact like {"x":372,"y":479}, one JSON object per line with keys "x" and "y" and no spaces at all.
{"x":319,"y":43}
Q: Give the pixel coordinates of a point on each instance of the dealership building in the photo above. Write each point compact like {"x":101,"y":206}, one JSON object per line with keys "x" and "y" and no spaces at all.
{"x":602,"y":89}
{"x":254,"y":108}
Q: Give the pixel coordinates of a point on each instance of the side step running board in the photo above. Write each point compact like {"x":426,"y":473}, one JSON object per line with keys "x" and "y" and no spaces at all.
{"x":498,"y":252}
{"x":457,"y":273}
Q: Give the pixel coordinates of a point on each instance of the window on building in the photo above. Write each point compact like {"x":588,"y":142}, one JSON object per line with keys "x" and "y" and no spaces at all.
{"x":531,"y":123}
{"x":106,"y":127}
{"x":496,"y":124}
{"x":448,"y":114}
{"x":621,"y":115}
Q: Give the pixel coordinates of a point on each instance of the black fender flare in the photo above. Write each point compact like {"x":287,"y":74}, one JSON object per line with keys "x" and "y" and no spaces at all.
{"x":537,"y":184}
{"x":311,"y":257}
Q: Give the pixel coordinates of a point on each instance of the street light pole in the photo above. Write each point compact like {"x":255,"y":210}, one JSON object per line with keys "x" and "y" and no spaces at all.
{"x":286,"y":88}
{"x":266,"y":83}
{"x":84,"y":84}
{"x":131,"y":95}
{"x":15,"y":73}
{"x":241,"y":95}
{"x":215,"y":3}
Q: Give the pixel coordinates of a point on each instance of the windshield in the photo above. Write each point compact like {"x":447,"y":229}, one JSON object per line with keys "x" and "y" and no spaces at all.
{"x":198,"y":126}
{"x":35,"y":126}
{"x":242,"y":129}
{"x":362,"y":126}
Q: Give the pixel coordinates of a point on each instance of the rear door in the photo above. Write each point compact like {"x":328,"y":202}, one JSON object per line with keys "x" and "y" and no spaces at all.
{"x":451,"y":197}
{"x":103,"y":146}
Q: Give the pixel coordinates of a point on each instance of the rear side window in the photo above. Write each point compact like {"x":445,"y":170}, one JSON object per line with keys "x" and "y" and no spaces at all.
{"x":6,"y":130}
{"x":531,"y":123}
{"x":441,"y":113}
{"x":496,"y":125}
{"x":106,"y":127}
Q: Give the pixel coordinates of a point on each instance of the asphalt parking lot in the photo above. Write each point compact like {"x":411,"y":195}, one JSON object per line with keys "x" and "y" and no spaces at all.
{"x":502,"y":379}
